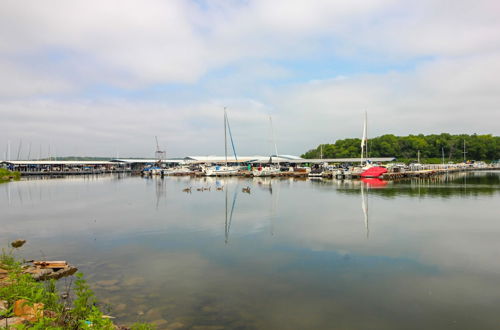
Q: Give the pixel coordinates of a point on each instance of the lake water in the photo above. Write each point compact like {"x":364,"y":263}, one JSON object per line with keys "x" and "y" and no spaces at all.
{"x":291,"y":254}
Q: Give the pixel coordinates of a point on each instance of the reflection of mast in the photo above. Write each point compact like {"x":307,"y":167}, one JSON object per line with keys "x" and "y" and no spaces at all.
{"x":160,"y":191}
{"x":228,"y":221}
{"x":364,"y":207}
{"x":274,"y":202}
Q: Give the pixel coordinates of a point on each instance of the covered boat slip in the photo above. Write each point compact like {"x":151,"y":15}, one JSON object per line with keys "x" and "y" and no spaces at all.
{"x":47,"y":167}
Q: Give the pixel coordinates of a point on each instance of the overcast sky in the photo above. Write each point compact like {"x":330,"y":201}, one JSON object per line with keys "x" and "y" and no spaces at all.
{"x":103,"y":78}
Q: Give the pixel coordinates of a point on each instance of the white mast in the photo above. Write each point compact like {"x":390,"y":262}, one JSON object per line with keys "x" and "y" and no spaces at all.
{"x":464,"y":151}
{"x":363,"y":140}
{"x":274,"y":140}
{"x":225,"y":134}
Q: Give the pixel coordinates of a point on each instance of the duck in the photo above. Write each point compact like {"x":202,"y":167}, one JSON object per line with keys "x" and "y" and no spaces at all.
{"x":246,"y":190}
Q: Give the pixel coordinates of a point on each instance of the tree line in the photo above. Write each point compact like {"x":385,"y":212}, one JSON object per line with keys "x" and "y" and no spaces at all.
{"x":477,"y":147}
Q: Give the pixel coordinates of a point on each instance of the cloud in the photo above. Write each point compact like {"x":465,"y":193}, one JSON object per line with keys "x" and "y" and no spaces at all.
{"x":132,"y":43}
{"x":102,"y":77}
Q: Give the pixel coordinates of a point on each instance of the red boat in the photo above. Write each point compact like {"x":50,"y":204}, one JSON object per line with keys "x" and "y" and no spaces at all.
{"x":374,"y":172}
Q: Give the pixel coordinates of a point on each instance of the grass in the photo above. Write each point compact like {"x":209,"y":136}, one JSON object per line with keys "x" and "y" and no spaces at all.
{"x":76,"y":309}
{"x":6,"y":175}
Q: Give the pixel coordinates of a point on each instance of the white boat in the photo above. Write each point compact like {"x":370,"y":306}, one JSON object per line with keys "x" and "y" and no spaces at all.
{"x":177,"y":170}
{"x":266,"y":171}
{"x":219,"y":170}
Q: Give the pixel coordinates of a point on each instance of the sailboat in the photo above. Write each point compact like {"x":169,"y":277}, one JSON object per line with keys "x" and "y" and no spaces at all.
{"x":369,"y":171}
{"x":225,"y":170}
{"x":363,"y":160}
{"x":272,"y":169}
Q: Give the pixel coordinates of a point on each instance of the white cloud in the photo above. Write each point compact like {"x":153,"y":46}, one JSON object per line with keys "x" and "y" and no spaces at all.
{"x":51,"y":53}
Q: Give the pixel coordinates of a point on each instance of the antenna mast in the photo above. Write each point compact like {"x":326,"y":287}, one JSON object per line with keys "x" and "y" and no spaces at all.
{"x":159,"y":154}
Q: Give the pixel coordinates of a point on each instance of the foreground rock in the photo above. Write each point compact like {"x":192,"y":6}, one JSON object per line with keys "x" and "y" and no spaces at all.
{"x":47,"y":270}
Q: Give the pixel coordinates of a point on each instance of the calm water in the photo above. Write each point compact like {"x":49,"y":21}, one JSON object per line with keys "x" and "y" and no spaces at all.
{"x":292,"y":254}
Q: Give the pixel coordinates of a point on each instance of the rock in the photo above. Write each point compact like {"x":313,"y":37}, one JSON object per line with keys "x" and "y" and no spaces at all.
{"x":41,"y":274}
{"x":18,"y":243}
{"x":27,"y":312}
{"x":120,"y":308}
{"x":112,"y":288}
{"x":154,"y":313}
{"x":176,"y":325}
{"x":133,"y":281}
{"x":107,"y":282}
{"x":209,"y":309}
{"x":160,"y":322}
{"x":3,"y":305}
{"x":12,"y":321}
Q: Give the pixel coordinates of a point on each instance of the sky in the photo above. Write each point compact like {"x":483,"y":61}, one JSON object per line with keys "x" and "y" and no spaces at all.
{"x":103,"y":78}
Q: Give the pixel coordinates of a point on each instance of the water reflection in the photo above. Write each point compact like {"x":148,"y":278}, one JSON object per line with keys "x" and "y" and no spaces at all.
{"x":364,"y":207}
{"x":228,"y":220}
{"x":399,"y":262}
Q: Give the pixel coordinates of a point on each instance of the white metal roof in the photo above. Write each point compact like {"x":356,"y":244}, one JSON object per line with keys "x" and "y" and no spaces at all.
{"x":145,"y":161}
{"x":57,"y":162}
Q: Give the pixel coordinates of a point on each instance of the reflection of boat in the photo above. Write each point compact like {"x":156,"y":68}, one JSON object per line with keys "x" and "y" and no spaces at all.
{"x":374,"y":182}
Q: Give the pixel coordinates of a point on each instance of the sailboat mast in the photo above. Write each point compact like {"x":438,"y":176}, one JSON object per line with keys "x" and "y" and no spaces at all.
{"x":225,"y":134}
{"x":363,"y":141}
{"x":274,"y":140}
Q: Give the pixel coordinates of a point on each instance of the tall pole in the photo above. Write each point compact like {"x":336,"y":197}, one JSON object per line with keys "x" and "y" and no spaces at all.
{"x":464,"y":151}
{"x":418,"y":156}
{"x":19,"y":148}
{"x":225,"y":134}
{"x":363,"y":139}
{"x":8,"y":150}
{"x":274,"y":140}
{"x":442,"y":155}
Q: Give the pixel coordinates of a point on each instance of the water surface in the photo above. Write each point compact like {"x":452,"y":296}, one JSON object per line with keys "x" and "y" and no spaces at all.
{"x":292,"y":254}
